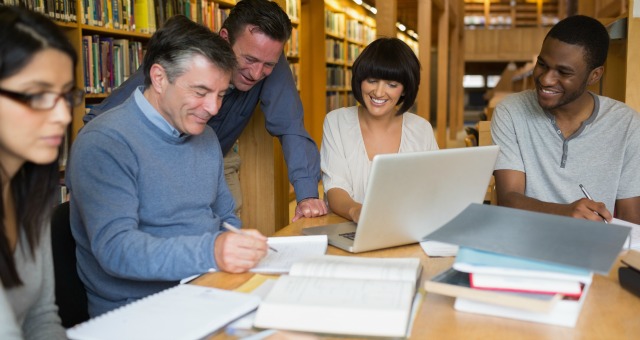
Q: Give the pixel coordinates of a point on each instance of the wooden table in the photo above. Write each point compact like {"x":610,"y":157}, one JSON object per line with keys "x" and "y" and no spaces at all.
{"x":609,"y":312}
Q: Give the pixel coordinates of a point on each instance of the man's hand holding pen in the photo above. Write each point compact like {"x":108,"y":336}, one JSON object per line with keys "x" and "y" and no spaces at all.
{"x":589,"y":209}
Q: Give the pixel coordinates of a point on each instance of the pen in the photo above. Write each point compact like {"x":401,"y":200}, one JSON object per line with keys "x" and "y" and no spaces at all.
{"x":238,"y":231}
{"x":586,"y":194}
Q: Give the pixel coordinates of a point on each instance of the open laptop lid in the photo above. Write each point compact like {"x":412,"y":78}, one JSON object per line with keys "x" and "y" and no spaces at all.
{"x":410,"y":195}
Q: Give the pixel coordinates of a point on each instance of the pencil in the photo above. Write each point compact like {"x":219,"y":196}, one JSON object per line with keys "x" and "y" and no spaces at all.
{"x":238,"y":231}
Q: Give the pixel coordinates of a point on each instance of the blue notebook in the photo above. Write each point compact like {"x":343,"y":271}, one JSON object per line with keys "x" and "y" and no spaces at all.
{"x":477,"y":261}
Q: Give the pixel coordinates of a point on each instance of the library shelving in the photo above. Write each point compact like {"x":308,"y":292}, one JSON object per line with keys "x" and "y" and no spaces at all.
{"x":292,"y":48}
{"x":511,"y":13}
{"x":110,"y":36}
{"x":330,"y":43}
{"x":347,"y":31}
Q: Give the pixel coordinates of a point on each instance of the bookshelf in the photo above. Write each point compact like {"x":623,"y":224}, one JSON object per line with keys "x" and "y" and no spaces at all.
{"x":330,"y":43}
{"x":347,"y":31}
{"x":110,"y":37}
{"x":496,"y":14}
{"x":292,"y":48}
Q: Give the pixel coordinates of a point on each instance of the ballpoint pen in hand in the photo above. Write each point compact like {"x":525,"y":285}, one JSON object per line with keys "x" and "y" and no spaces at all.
{"x":238,"y":231}
{"x":586,"y":194}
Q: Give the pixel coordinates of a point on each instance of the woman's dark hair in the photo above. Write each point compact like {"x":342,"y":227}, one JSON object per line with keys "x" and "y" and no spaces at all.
{"x":22,"y":35}
{"x":388,"y":59}
{"x":266,"y":15}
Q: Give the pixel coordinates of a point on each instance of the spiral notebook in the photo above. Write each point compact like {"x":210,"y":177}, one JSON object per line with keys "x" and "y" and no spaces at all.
{"x":181,"y":312}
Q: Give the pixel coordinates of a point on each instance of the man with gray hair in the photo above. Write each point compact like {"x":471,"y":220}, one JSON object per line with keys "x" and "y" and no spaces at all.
{"x":147,"y":181}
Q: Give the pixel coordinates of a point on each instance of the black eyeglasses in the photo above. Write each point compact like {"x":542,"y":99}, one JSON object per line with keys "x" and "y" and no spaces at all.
{"x":45,"y":100}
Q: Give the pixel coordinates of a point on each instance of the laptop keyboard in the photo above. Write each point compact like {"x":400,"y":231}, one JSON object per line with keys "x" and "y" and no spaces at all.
{"x":350,"y":235}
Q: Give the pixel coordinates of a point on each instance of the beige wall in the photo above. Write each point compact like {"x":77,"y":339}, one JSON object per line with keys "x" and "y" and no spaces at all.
{"x":518,"y":44}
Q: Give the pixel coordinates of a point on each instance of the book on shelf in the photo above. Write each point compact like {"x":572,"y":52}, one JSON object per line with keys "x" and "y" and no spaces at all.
{"x":181,"y":312}
{"x":564,"y":313}
{"x":456,"y":284}
{"x":343,"y":295}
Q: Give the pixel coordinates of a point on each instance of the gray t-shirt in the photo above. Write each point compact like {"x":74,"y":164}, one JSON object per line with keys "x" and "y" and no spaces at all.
{"x":603,"y":155}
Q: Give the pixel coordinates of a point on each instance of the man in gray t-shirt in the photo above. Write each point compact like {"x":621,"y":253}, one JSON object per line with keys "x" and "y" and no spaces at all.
{"x":559,"y":136}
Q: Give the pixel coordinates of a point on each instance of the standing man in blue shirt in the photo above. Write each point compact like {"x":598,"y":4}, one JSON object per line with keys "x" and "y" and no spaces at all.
{"x":257,"y":31}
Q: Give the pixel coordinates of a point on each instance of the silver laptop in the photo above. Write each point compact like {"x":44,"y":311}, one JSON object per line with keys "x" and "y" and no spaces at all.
{"x":410,"y":195}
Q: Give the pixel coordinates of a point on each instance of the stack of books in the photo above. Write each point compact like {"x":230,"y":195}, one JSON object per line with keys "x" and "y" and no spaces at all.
{"x":500,"y":285}
{"x":524,"y":265}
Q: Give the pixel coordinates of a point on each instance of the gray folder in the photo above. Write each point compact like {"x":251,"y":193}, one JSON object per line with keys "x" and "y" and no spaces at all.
{"x":549,"y":238}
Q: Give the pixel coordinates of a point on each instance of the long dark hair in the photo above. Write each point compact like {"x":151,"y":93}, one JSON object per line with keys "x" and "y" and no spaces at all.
{"x":22,"y":35}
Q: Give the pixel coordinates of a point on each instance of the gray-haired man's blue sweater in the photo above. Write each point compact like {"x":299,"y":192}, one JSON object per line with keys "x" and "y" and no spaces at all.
{"x":146,"y":206}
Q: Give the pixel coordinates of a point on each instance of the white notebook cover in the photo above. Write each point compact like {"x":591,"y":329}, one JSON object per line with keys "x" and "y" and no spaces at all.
{"x":181,"y":312}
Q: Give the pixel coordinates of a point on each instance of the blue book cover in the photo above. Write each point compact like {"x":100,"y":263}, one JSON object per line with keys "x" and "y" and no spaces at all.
{"x":477,"y":261}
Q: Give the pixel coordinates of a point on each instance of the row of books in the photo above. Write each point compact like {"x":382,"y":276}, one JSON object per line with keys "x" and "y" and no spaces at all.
{"x":118,"y":14}
{"x":292,"y":49}
{"x":334,"y":22}
{"x":335,"y":51}
{"x":353,"y":51}
{"x":61,"y":10}
{"x":338,"y":77}
{"x":109,"y":62}
{"x":145,"y":16}
{"x":360,"y":32}
{"x":292,"y":9}
{"x":336,"y":100}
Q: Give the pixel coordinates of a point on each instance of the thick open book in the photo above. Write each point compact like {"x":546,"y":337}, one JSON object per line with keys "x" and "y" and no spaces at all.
{"x":181,"y":312}
{"x":343,"y":295}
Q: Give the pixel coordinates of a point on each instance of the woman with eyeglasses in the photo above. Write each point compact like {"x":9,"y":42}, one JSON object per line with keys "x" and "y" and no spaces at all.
{"x":36,"y":96}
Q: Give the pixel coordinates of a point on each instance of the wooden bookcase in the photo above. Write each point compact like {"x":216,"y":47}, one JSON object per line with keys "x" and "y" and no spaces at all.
{"x":345,"y":29}
{"x":292,"y":48}
{"x":481,"y":14}
{"x":76,"y":24}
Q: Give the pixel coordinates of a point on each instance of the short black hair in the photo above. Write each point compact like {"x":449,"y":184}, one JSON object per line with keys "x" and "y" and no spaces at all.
{"x":388,"y":59}
{"x":266,"y":15}
{"x":586,"y":32}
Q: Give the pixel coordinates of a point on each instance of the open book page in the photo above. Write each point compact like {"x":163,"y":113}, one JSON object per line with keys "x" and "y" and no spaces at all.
{"x":406,"y":269}
{"x":180,"y":312}
{"x":339,"y":306}
{"x":291,"y":249}
{"x":633,"y":242}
